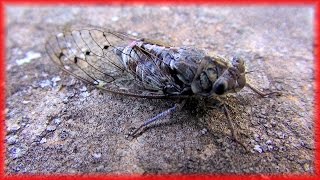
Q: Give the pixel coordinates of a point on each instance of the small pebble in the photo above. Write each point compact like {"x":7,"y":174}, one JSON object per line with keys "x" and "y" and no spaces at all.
{"x":270,"y":147}
{"x":63,"y":135}
{"x":29,"y":56}
{"x":43,"y":74}
{"x":16,"y":152}
{"x":12,"y":139}
{"x":100,"y":168}
{"x":43,"y":140}
{"x":65,"y":100}
{"x":97,"y":155}
{"x":51,"y":128}
{"x":256,"y":137}
{"x":134,"y":34}
{"x":45,"y":83}
{"x":57,"y":120}
{"x":55,"y":80}
{"x":72,"y":81}
{"x":258,"y":148}
{"x":280,"y":135}
{"x":70,"y":94}
{"x":151,"y":108}
{"x":25,"y":102}
{"x":306,"y":167}
{"x":82,"y":89}
{"x":13,"y":128}
{"x":115,"y":18}
{"x":204,"y":131}
{"x":85,"y":94}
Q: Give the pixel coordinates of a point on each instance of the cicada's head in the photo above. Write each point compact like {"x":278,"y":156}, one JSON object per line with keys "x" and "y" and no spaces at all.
{"x":215,"y":77}
{"x":232,"y":80}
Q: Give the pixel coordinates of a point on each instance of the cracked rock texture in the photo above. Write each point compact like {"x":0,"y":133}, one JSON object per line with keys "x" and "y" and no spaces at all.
{"x":57,"y":124}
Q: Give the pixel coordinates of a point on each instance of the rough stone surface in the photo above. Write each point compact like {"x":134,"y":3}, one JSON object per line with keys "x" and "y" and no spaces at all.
{"x":57,"y":124}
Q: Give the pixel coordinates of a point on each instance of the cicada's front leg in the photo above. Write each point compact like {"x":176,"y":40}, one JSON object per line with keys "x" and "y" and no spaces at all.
{"x":218,"y":103}
{"x":225,"y":107}
{"x":233,"y":132}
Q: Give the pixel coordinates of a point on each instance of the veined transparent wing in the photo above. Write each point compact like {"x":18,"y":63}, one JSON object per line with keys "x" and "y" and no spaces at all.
{"x":94,"y":56}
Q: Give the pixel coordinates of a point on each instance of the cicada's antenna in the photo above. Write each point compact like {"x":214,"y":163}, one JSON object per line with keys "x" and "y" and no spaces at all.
{"x":248,"y":72}
{"x":259,"y":92}
{"x":262,"y":94}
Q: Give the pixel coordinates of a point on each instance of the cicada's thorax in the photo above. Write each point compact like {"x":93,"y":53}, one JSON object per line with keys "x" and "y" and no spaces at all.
{"x":183,"y":70}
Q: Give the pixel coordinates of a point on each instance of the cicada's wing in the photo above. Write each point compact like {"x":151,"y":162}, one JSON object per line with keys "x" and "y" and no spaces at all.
{"x":94,"y":56}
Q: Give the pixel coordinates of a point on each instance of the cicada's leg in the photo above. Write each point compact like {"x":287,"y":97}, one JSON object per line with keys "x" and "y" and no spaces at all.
{"x":233,"y":133}
{"x":221,"y":104}
{"x":262,"y":94}
{"x":163,"y":114}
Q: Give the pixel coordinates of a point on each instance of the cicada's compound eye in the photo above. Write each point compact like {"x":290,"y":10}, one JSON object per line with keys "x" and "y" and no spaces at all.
{"x":237,"y":60}
{"x":220,"y":87}
{"x":238,"y":63}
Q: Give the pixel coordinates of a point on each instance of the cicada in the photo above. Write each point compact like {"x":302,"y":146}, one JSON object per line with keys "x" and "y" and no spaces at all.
{"x":124,"y":64}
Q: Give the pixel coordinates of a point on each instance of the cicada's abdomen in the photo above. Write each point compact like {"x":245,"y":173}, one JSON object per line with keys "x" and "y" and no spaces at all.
{"x":147,"y":65}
